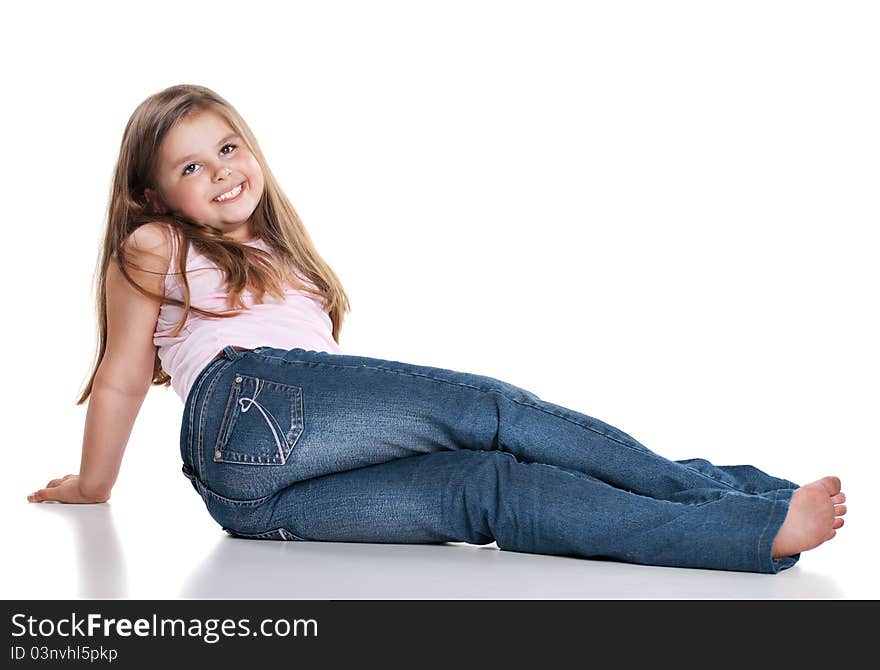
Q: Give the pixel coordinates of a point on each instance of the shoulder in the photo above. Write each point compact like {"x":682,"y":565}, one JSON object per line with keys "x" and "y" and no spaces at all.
{"x":149,"y":246}
{"x":153,"y":236}
{"x":147,"y":255}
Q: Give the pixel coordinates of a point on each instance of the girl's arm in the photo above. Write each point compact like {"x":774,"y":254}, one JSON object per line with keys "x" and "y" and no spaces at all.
{"x":109,"y":420}
{"x":124,"y":375}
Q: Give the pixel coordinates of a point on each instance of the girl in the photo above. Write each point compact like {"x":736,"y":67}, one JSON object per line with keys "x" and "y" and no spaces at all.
{"x":210,"y":282}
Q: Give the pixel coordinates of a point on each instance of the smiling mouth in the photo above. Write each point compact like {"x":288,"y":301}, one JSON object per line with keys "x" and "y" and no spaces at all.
{"x":231,"y":195}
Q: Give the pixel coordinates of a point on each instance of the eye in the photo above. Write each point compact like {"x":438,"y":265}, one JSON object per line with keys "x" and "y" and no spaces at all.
{"x":228,"y":144}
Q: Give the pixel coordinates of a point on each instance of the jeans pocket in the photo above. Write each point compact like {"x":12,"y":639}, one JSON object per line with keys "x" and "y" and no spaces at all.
{"x":261,"y":424}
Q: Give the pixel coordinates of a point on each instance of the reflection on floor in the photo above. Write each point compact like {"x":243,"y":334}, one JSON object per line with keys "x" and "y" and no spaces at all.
{"x":143,"y":551}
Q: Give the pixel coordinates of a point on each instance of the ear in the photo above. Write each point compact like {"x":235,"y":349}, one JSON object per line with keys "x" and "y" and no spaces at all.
{"x":154,"y":200}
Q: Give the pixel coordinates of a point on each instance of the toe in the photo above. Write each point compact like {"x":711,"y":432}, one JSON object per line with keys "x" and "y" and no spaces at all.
{"x":832,"y":484}
{"x":839,"y":510}
{"x":839,"y":498}
{"x":837,"y":523}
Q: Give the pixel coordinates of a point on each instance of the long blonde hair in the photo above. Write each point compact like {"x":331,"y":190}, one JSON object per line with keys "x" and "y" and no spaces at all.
{"x":274,"y":220}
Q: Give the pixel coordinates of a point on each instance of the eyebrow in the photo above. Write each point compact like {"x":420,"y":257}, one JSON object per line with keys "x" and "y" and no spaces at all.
{"x":190,"y":156}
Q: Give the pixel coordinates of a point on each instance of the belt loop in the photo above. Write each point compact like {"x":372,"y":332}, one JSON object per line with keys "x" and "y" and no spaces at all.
{"x":230,"y":353}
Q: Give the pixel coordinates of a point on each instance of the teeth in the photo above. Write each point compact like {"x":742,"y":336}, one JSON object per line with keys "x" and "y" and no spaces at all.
{"x":229,"y":194}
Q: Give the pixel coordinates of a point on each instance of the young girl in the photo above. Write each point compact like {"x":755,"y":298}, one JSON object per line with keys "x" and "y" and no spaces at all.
{"x":209,"y":281}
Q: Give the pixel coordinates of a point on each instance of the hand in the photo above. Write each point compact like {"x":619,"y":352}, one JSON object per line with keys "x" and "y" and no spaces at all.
{"x":65,"y":490}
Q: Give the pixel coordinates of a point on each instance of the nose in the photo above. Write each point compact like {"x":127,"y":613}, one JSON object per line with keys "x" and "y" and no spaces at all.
{"x":224,"y":172}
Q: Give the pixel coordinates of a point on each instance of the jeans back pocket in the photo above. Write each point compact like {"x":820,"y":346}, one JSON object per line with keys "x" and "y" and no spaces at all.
{"x":261,"y":424}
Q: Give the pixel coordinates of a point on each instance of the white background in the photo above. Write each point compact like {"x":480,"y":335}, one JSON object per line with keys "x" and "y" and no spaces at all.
{"x":663,"y":215}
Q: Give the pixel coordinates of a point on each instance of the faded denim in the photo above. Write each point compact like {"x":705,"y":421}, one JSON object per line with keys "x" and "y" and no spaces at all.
{"x":305,"y":445}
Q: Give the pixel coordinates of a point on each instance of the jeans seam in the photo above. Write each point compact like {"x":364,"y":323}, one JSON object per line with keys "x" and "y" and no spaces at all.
{"x":764,"y":531}
{"x":253,"y":502}
{"x":192,"y":411}
{"x":205,"y":401}
{"x":720,"y":481}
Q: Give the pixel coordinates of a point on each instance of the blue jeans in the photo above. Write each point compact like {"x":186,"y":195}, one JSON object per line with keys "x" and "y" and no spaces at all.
{"x":307,"y":445}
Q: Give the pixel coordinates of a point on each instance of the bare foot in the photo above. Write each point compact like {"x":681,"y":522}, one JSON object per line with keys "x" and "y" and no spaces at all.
{"x":813,"y":517}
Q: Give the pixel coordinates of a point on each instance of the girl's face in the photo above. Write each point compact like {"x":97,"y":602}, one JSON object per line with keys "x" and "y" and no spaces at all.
{"x":200,"y":159}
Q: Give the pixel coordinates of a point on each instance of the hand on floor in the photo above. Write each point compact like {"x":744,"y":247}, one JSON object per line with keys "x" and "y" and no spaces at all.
{"x":65,"y":490}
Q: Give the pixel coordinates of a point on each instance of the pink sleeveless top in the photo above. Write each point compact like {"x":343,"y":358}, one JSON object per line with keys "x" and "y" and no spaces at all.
{"x":299,"y":321}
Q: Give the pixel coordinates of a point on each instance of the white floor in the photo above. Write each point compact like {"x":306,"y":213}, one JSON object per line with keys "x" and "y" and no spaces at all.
{"x":171,"y":548}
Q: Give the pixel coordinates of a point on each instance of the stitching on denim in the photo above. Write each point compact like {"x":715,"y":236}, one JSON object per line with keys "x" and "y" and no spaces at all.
{"x":477,"y":388}
{"x":576,"y":423}
{"x":291,"y":436}
{"x":720,"y":481}
{"x":253,"y":502}
{"x":226,"y":418}
{"x":205,"y":402}
{"x":192,"y":412}
{"x":267,"y":415}
{"x":581,"y":476}
{"x":766,"y":526}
